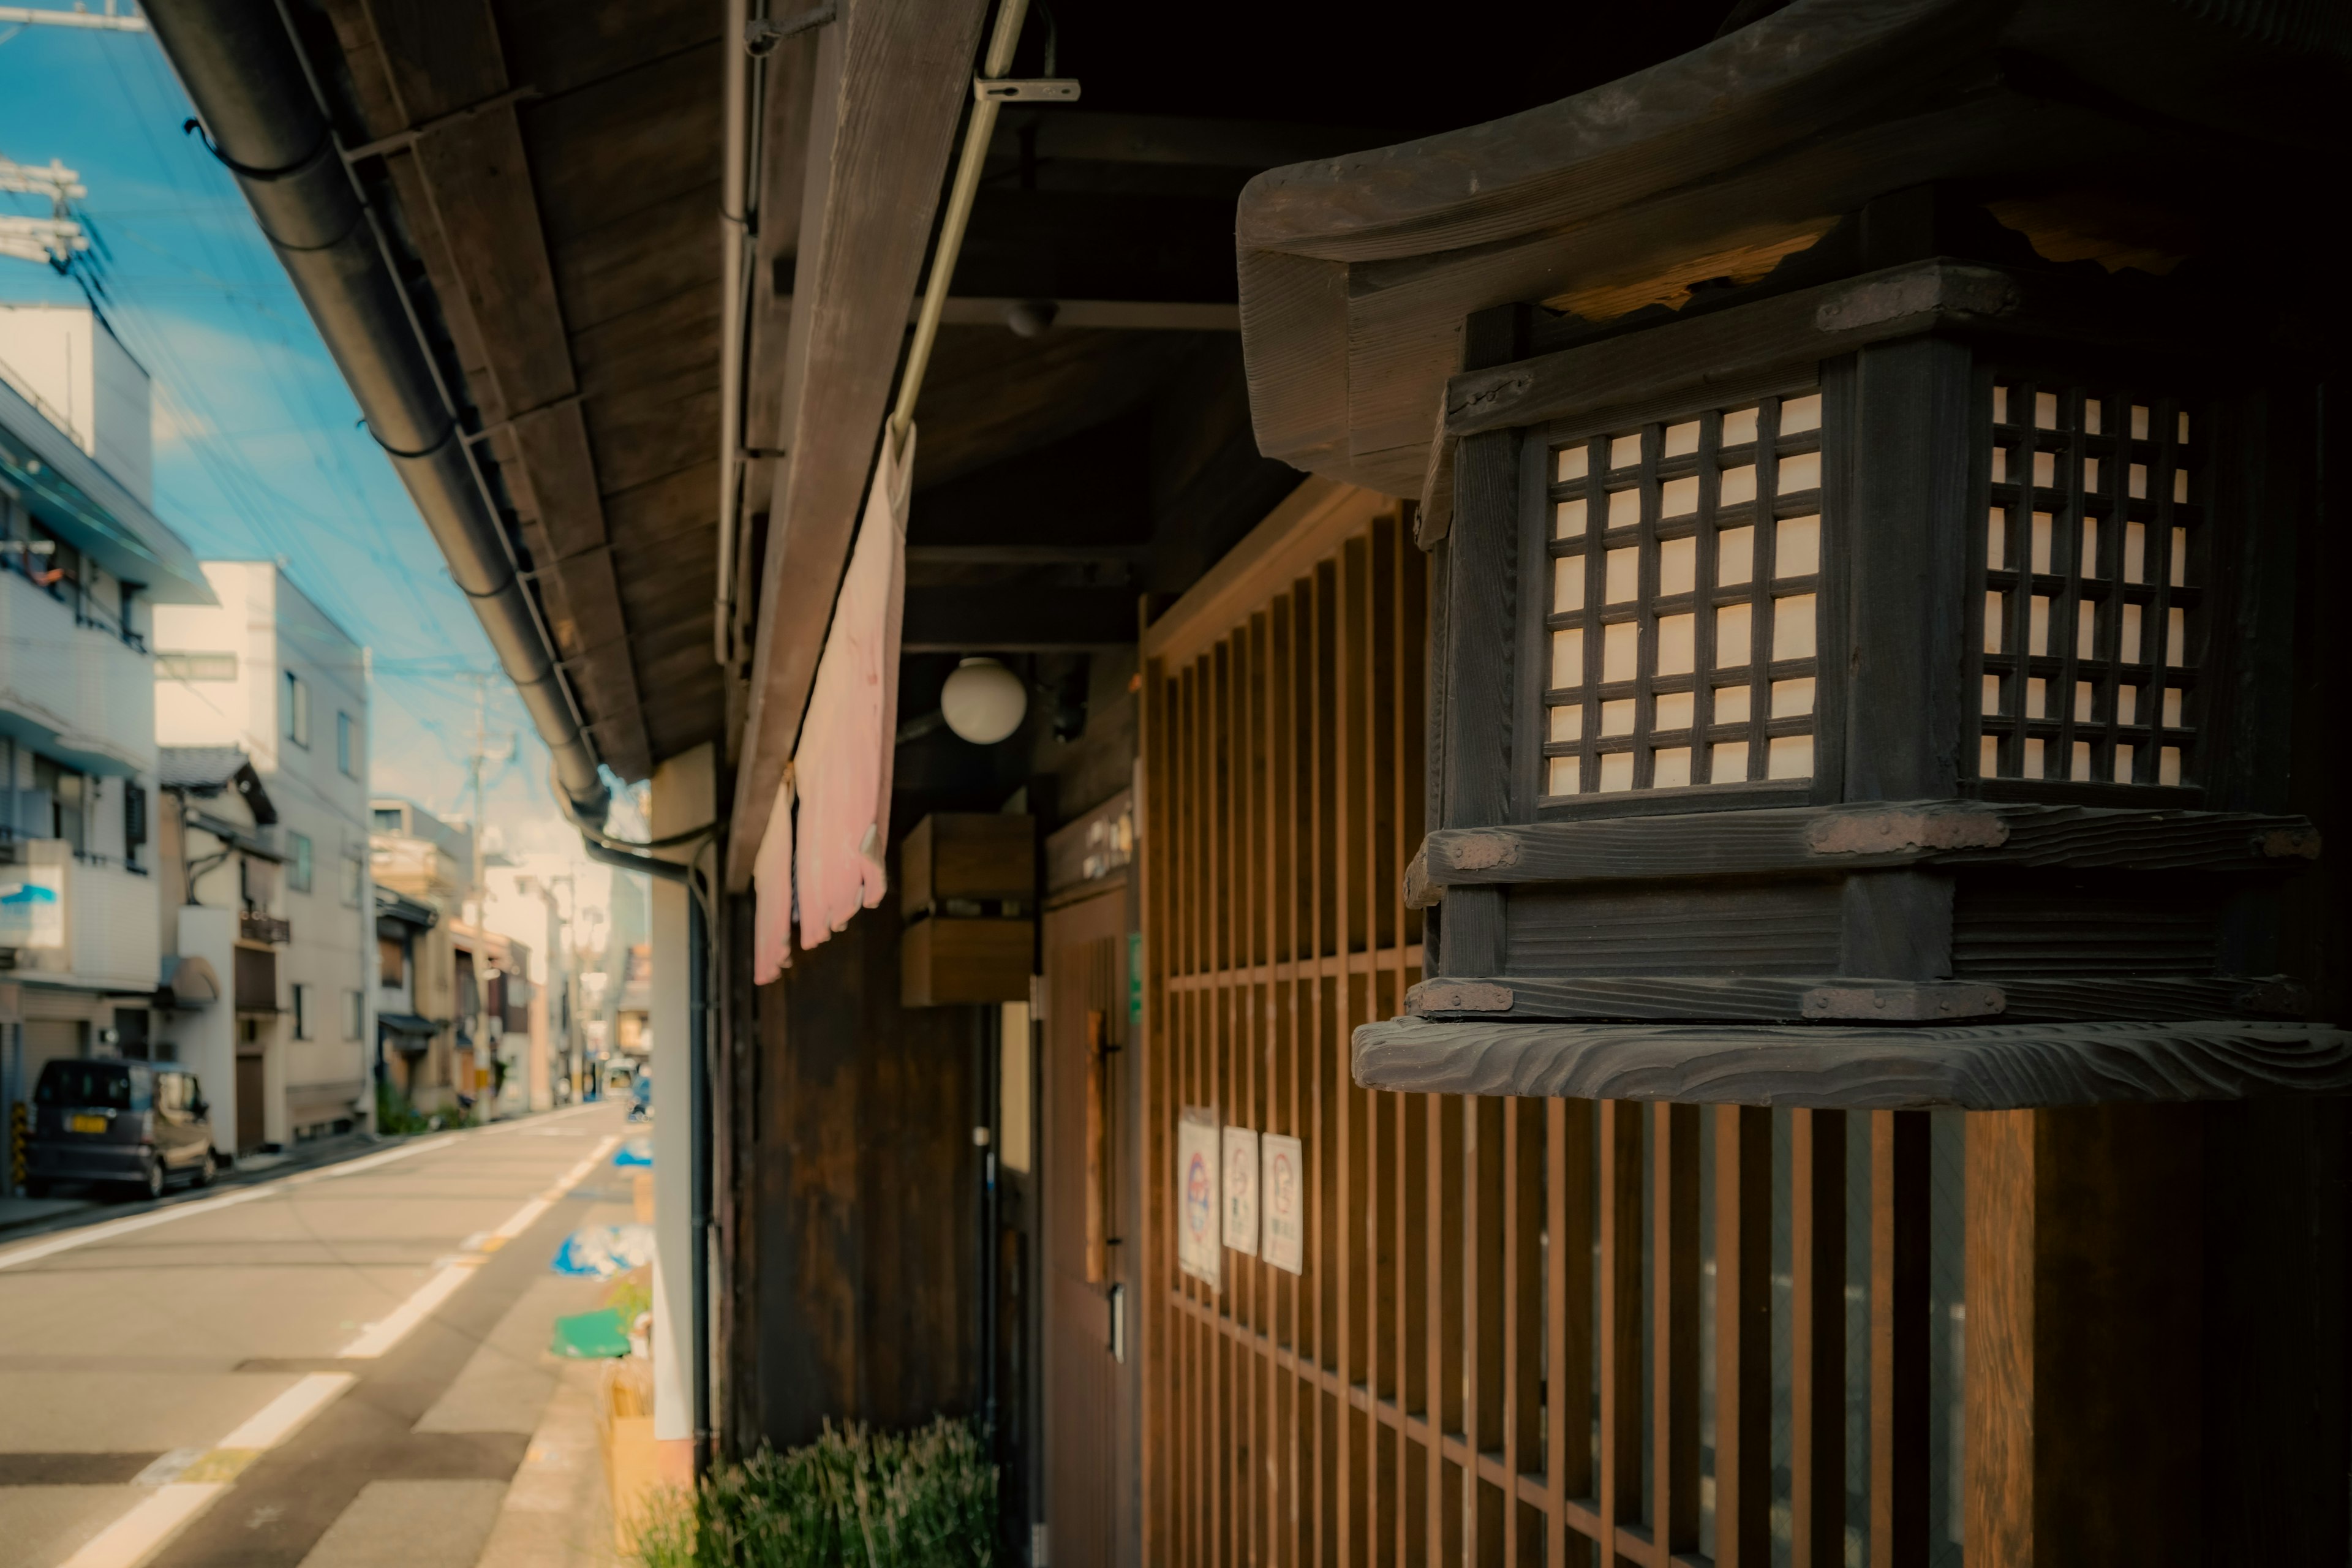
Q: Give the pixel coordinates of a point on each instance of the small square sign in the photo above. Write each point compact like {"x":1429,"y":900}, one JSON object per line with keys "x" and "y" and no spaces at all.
{"x":1282,"y":1200}
{"x":1241,"y":1190}
{"x":1198,"y":1203}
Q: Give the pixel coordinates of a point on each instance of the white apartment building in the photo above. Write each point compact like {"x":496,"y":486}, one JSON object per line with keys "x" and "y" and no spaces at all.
{"x":84,"y":565}
{"x":266,"y":672}
{"x":528,"y":899}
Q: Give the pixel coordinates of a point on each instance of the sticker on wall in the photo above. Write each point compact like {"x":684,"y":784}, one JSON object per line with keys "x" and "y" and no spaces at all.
{"x":1199,"y":1204}
{"x":1241,"y":1190}
{"x":1282,"y":1194}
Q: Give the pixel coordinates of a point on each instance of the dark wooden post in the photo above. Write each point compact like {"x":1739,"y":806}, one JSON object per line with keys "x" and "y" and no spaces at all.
{"x":2084,"y":1344}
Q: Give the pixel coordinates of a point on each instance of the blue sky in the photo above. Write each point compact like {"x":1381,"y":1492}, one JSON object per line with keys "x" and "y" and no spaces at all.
{"x":259,"y":453}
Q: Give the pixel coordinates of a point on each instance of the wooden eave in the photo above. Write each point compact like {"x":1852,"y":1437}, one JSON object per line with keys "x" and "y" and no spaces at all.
{"x":556,"y":174}
{"x":1357,"y":272}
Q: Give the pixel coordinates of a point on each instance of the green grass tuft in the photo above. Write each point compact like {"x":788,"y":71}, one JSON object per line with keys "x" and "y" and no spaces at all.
{"x":855,"y":1499}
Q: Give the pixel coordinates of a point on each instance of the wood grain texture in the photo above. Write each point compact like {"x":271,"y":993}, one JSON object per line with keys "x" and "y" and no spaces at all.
{"x":1857,"y":836}
{"x":1896,"y":923}
{"x":1660,"y":928}
{"x":867,"y":1185}
{"x":2088,"y":1364}
{"x":1675,"y":1325}
{"x":1816,"y":1338}
{"x":891,"y":81}
{"x":1528,"y":231}
{"x":1899,"y":1220}
{"x":1571,"y":160}
{"x":1844,"y":999}
{"x":479,"y":178}
{"x":1906,"y":559}
{"x":1480,"y":633}
{"x":1743,"y":1335}
{"x":1810,"y":324}
{"x":1978,"y":1068}
{"x":1779,"y":998}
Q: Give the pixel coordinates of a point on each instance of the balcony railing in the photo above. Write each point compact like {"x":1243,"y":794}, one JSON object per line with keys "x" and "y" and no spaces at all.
{"x":270,"y":928}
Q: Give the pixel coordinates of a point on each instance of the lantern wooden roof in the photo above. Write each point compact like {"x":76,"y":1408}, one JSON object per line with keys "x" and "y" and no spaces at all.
{"x":2099,"y":133}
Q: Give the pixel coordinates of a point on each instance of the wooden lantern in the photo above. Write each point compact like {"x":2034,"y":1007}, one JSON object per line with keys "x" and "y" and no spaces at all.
{"x":1882,"y":660}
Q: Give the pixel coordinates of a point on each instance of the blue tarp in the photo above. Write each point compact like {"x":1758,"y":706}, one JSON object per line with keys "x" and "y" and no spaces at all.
{"x":602,"y":1251}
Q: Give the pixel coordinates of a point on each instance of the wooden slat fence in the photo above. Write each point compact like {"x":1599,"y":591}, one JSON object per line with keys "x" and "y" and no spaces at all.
{"x":1524,"y":1328}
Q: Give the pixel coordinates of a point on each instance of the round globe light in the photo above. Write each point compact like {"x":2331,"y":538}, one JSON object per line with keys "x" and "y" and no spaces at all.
{"x":983,"y":702}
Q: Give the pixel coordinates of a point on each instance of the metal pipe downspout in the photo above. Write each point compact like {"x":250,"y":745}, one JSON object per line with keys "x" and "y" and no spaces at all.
{"x":238,"y":61}
{"x":734,"y":241}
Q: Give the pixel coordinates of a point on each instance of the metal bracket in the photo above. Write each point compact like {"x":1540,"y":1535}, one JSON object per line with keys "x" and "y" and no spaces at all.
{"x":1025,"y":90}
{"x":762,"y":34}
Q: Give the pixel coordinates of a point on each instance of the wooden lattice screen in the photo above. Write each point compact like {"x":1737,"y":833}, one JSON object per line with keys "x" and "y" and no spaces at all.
{"x":1589,"y":1299}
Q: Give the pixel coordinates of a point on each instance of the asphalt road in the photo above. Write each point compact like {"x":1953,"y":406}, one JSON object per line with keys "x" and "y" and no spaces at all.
{"x":338,"y":1369}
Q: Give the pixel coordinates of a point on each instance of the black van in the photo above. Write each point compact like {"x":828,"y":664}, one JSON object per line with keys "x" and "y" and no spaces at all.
{"x":137,"y":1124}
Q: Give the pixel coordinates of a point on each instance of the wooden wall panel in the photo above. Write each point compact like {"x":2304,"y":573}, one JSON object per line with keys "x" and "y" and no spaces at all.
{"x":867,"y":1195}
{"x":1520,"y":1320}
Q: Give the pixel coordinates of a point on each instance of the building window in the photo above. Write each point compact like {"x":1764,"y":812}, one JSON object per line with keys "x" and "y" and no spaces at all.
{"x":68,"y":794}
{"x":302,"y":1019}
{"x":196,"y":666}
{"x":134,"y":822}
{"x":296,"y":695}
{"x":297,"y":868}
{"x":1684,"y":602}
{"x":390,"y":963}
{"x":346,"y":746}
{"x":387,"y":819}
{"x":2093,"y":621}
{"x":355,"y":875}
{"x":354,"y":1014}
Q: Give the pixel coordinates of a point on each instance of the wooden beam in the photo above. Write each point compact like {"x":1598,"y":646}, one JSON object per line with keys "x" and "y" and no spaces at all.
{"x":480,"y":180}
{"x":1859,"y":997}
{"x":1017,"y":620}
{"x":1306,"y":527}
{"x":1984,"y":1067}
{"x":1814,"y":839}
{"x":891,"y":80}
{"x":1124,"y":315}
{"x":1082,"y":135}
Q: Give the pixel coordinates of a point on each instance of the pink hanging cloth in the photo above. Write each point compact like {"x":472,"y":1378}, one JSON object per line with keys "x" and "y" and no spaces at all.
{"x":772,"y":890}
{"x":842,"y":768}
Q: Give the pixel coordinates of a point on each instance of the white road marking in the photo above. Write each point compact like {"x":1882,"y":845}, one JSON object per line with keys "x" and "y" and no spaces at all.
{"x":380,"y":1336}
{"x":282,"y":1416}
{"x":140,"y":1533}
{"x":38,"y":1250}
{"x":135,"y":1538}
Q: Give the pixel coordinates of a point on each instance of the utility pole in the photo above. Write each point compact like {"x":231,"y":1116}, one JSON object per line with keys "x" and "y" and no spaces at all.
{"x":110,"y":20}
{"x":56,"y":238}
{"x":475,"y":889}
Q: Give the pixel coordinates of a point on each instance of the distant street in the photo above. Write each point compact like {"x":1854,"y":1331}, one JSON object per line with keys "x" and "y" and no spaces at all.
{"x":339,"y":1369}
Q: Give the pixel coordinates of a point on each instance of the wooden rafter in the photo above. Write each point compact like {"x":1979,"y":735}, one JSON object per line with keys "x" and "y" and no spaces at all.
{"x":463,"y":181}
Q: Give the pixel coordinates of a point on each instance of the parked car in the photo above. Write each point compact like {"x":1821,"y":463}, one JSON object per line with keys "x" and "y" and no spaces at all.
{"x":135,"y":1124}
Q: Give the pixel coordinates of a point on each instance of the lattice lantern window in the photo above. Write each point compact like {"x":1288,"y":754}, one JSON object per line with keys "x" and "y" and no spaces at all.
{"x":1684,"y":615}
{"x":2093,"y":575}
{"x":1919,"y":679}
